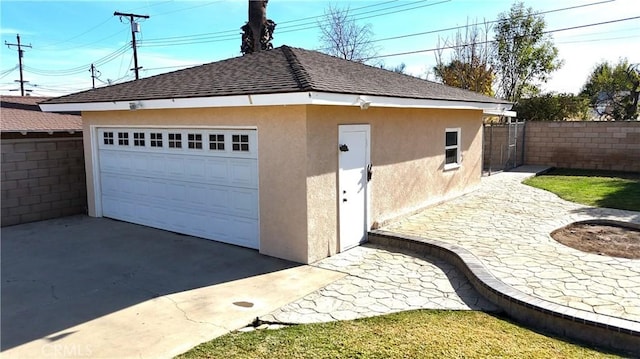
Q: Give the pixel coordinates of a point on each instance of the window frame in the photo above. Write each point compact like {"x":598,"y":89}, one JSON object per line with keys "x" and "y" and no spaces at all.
{"x":458,"y":161}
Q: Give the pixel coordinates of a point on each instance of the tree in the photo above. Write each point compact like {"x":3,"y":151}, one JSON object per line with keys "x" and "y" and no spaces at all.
{"x":469,"y":65}
{"x":613,"y":90}
{"x":552,"y":107}
{"x":399,"y":69}
{"x":257,"y":33}
{"x":524,"y":55}
{"x":342,"y":37}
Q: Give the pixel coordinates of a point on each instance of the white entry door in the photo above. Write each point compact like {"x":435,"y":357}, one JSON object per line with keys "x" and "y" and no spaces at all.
{"x":354,"y":147}
{"x":201,"y":182}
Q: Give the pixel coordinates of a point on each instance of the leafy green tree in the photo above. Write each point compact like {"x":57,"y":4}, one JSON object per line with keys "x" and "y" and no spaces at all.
{"x":469,"y":66}
{"x":524,"y":55}
{"x":613,"y":90}
{"x":553,"y":107}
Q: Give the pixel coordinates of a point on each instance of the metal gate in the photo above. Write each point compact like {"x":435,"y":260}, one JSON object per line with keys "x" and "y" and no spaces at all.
{"x":503,"y":145}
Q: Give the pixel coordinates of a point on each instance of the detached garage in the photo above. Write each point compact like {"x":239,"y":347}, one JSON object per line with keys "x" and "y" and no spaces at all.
{"x":291,"y":152}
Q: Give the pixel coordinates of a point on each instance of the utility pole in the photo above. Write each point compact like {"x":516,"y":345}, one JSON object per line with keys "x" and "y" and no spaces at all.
{"x":20,"y":55}
{"x":134,"y":28}
{"x":94,"y":74}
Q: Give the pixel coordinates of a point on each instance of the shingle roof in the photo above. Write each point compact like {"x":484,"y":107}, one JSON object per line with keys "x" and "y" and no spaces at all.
{"x":22,"y":114}
{"x":281,"y":70}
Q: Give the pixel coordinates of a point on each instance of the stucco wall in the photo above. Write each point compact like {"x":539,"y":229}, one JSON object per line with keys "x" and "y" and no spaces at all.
{"x":282,"y":170}
{"x":407,"y":152}
{"x":586,"y":145}
{"x":298,"y":162}
{"x":42,"y":178}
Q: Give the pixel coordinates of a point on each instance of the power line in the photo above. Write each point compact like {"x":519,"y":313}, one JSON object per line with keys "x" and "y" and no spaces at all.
{"x":229,"y":35}
{"x":79,"y":69}
{"x":79,"y":35}
{"x":488,"y":22}
{"x":492,"y":41}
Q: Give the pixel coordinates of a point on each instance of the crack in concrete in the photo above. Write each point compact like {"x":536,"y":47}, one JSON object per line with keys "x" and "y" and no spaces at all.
{"x":186,"y":316}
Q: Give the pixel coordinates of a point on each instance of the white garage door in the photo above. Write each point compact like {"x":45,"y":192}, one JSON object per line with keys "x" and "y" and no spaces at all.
{"x":201,"y":182}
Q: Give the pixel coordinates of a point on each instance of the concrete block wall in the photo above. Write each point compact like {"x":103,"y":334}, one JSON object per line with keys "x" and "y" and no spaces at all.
{"x":42,"y":179}
{"x":585,"y":145}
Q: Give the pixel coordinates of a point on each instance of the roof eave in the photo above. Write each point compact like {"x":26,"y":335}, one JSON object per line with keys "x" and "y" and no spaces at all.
{"x":276,"y":99}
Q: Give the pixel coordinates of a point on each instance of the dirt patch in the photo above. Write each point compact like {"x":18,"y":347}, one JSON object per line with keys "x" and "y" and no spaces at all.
{"x":616,"y":240}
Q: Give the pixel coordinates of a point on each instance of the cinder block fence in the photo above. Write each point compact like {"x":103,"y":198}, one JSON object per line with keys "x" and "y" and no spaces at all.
{"x":586,"y":145}
{"x":42,"y":178}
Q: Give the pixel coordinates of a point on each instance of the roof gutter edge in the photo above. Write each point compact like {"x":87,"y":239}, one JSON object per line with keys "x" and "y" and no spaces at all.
{"x":275,"y":99}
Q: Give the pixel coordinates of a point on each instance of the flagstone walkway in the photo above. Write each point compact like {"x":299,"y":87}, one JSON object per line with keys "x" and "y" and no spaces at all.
{"x":507,"y":226}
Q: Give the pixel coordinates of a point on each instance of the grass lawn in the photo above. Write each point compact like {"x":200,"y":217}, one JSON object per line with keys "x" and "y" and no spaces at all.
{"x":414,"y":334}
{"x":594,"y":188}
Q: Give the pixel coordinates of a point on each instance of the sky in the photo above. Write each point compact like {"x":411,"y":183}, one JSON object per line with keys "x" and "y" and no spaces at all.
{"x":66,"y":37}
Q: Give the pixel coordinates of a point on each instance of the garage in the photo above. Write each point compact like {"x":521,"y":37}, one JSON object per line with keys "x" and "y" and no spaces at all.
{"x":196,"y":181}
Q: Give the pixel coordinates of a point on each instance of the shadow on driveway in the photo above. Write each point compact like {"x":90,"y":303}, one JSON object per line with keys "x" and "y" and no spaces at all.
{"x":63,"y":272}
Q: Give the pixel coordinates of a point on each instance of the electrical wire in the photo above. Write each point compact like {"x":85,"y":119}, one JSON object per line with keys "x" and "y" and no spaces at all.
{"x":8,"y":72}
{"x":80,"y":69}
{"x":207,"y":38}
{"x":493,"y":41}
{"x":228,"y":35}
{"x":76,"y":36}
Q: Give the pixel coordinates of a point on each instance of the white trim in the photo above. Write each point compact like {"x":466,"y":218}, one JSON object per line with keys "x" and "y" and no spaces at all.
{"x":279,"y":99}
{"x":95,"y":169}
{"x":506,"y":113}
{"x":458,"y":147}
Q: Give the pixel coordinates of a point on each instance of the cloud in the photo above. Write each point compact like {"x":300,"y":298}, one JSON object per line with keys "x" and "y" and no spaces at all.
{"x":11,"y":31}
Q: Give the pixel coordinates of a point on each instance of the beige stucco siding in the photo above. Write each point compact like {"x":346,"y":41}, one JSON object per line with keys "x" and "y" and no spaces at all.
{"x":407,"y":153}
{"x":408,"y":159}
{"x":298,"y":164}
{"x":281,"y":164}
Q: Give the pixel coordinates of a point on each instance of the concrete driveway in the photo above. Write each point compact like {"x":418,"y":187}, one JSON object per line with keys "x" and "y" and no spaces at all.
{"x":94,"y":287}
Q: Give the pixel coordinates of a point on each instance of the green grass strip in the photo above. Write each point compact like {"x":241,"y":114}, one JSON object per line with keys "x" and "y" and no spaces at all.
{"x":413,"y":334}
{"x":593,"y":188}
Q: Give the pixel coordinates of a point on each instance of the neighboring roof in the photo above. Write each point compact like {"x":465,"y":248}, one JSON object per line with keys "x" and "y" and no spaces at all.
{"x":22,"y":114}
{"x":281,"y":70}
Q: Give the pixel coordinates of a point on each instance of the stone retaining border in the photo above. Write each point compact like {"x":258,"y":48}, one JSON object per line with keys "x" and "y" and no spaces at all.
{"x":605,"y":331}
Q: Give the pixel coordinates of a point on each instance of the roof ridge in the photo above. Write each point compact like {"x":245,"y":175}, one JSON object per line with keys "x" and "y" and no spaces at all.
{"x":300,"y":74}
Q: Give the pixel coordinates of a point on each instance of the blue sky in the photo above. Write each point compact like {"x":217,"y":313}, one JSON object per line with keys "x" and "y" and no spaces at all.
{"x":67,"y":36}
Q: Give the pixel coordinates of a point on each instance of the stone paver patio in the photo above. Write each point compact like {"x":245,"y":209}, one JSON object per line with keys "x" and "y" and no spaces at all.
{"x":382,"y":281}
{"x":506,"y":225}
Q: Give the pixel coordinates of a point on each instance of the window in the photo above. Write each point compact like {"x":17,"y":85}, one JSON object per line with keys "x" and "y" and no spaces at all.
{"x":138,"y":139}
{"x":452,"y":148}
{"x":156,"y":139}
{"x":240,"y":143}
{"x":123,"y":138}
{"x":175,"y":140}
{"x":108,"y":138}
{"x":194,"y":140}
{"x":216,"y":142}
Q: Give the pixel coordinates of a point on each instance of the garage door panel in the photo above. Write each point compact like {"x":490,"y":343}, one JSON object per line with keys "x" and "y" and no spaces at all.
{"x":195,"y":168}
{"x":243,"y":173}
{"x":155,"y":165}
{"x":217,"y":170}
{"x":243,"y":203}
{"x":204,"y":193}
{"x":174,"y":166}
